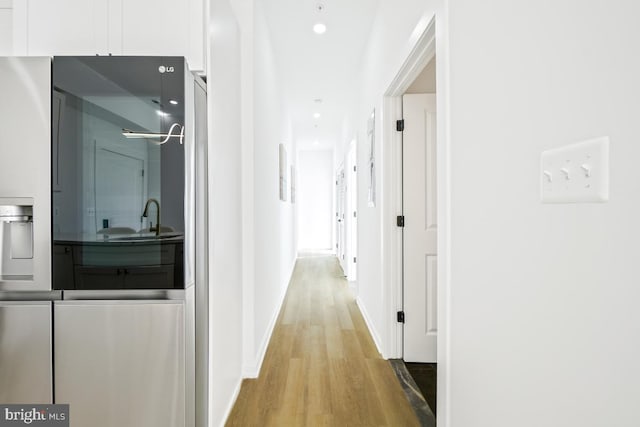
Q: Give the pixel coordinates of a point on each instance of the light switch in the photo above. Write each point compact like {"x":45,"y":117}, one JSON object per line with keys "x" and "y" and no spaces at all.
{"x":576,"y":173}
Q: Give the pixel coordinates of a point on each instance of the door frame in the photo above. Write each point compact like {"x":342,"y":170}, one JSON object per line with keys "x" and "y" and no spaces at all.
{"x":423,"y":51}
{"x":352,"y":203}
{"x":340,"y":224}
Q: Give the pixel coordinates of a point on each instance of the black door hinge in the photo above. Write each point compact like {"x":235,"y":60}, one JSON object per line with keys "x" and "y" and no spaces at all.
{"x":400,"y":317}
{"x":400,"y":220}
{"x":354,"y":214}
{"x":354,"y":168}
{"x":400,"y":125}
{"x":354,"y":260}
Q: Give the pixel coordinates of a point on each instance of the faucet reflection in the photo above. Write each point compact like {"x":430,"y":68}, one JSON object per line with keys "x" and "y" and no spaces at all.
{"x":146,"y":215}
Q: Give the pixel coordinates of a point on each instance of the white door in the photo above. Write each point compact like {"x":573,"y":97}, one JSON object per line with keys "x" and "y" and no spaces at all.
{"x":340,"y":217}
{"x":119,"y":189}
{"x":420,"y":227}
{"x":352,"y":197}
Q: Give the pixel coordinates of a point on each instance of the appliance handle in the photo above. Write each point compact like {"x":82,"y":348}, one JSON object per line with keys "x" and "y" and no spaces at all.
{"x":34,"y":296}
{"x":124,"y":294}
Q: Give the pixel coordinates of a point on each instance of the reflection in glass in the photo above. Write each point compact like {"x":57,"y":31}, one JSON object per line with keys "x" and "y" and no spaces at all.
{"x":103,"y":180}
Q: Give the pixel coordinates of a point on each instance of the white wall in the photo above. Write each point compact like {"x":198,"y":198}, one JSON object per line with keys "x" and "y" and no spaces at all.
{"x":315,"y":199}
{"x":225,"y":262}
{"x":268,"y":224}
{"x":544,"y":319}
{"x":274,"y":225}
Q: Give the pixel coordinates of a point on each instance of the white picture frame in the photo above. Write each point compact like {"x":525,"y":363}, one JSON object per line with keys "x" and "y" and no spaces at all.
{"x":293,"y":184}
{"x":371,"y":126}
{"x":282,"y":153}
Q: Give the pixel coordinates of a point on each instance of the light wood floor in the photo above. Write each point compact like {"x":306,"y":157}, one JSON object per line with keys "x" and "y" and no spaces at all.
{"x":322,"y":367}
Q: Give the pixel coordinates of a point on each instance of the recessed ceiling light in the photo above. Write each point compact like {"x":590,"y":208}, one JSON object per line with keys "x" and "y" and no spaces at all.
{"x":316,"y":115}
{"x":319,"y":28}
{"x":161,"y":113}
{"x":173,"y":102}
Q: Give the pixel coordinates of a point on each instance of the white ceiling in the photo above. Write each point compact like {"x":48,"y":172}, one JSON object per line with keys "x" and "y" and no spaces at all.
{"x":315,"y":66}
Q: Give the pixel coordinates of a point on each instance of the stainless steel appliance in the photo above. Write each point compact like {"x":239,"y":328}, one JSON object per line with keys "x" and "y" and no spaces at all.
{"x":100,"y":299}
{"x":121,"y":362}
{"x":25,"y":229}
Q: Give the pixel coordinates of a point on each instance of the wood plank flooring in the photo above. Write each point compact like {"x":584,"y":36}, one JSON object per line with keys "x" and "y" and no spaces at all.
{"x":322,"y":367}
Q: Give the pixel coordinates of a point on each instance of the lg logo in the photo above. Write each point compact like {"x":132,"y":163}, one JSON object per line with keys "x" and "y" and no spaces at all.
{"x":164,"y":69}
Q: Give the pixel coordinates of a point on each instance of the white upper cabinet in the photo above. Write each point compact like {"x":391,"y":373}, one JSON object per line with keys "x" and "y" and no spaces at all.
{"x":6,"y":27}
{"x":60,"y":27}
{"x":118,"y":27}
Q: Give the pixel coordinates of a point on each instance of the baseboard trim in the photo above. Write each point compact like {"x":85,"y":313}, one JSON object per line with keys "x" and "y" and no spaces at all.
{"x":367,"y":320}
{"x":231,"y":404}
{"x":253,"y":371}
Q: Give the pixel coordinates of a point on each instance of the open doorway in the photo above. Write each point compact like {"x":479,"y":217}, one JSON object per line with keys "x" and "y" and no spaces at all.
{"x":347,"y":216}
{"x":315,"y":201}
{"x":352,"y":215}
{"x":419,"y":248}
{"x":341,"y":208}
{"x":412,"y":242}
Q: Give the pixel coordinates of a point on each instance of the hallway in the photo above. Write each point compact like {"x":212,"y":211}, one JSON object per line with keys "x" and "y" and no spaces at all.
{"x":322,"y":366}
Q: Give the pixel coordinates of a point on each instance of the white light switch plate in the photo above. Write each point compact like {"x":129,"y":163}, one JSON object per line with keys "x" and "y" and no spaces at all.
{"x":576,"y":173}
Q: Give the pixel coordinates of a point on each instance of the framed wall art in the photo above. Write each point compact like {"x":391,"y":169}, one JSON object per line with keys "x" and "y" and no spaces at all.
{"x":282,"y":151}
{"x":371,"y":137}
{"x":292,"y":178}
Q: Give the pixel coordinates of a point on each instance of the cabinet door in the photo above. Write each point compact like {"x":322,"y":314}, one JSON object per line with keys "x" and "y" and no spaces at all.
{"x":6,"y":28}
{"x":93,"y":278}
{"x":119,"y":27}
{"x":158,"y":27}
{"x":25,"y":352}
{"x":149,"y":277}
{"x":62,"y":27}
{"x":121,"y":363}
{"x":155,"y":27}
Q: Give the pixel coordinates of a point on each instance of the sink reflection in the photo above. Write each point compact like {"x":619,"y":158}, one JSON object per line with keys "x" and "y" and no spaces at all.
{"x":142,"y":236}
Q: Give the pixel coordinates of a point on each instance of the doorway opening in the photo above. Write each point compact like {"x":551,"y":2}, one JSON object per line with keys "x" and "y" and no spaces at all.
{"x":419,"y":241}
{"x":415,"y":250}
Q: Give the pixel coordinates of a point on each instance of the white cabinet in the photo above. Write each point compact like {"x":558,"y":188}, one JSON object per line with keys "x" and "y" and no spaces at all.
{"x":119,"y":27}
{"x":61,"y":27}
{"x":6,"y":27}
{"x":154,"y":26}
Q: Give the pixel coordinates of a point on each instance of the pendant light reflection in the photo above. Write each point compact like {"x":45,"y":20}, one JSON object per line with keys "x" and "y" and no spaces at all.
{"x":130,"y":134}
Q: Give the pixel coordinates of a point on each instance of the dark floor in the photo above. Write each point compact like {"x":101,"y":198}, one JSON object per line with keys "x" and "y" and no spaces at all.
{"x":414,"y":395}
{"x":425,"y":376}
